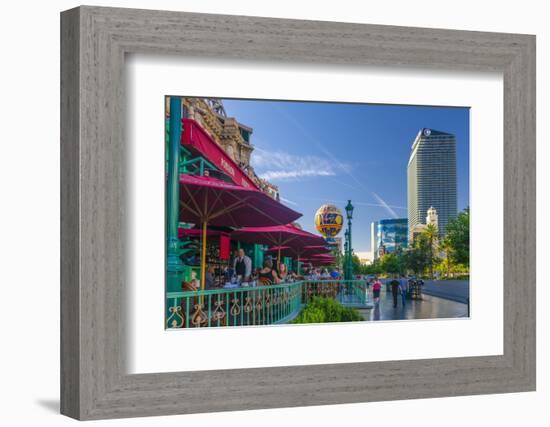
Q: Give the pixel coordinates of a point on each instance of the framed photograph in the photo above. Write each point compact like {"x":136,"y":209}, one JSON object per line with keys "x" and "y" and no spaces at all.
{"x":277,"y":213}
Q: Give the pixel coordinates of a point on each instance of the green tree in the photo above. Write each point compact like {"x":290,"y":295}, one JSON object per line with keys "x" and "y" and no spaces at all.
{"x":431,"y":235}
{"x":446,"y":265}
{"x":458,"y":239}
{"x":373,"y":268}
{"x":339,"y":262}
{"x":356,"y":265}
{"x":417,"y":258}
{"x":390,"y":263}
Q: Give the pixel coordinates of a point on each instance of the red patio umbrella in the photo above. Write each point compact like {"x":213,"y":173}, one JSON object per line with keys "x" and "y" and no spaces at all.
{"x":206,"y":200}
{"x":195,"y":232}
{"x":323,"y":256}
{"x":320,"y":263}
{"x":300,"y":251}
{"x":278,"y":236}
{"x":320,"y":260}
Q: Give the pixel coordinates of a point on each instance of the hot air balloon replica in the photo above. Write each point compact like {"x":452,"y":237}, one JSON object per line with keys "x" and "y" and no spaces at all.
{"x":328,"y":220}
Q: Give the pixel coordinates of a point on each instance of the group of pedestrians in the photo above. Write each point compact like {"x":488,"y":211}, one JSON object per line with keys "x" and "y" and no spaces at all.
{"x":399,"y":286}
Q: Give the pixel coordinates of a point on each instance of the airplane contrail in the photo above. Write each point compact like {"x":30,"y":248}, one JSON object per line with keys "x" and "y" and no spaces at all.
{"x":340,"y":165}
{"x":385,"y":205}
{"x":356,"y":203}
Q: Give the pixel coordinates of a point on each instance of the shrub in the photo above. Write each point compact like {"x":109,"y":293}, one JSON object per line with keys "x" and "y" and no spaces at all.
{"x":323,"y":310}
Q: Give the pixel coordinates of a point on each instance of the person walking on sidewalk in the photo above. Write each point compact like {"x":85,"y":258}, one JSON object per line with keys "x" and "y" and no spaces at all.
{"x":394,"y":291}
{"x":376,"y":286}
{"x":403,"y":289}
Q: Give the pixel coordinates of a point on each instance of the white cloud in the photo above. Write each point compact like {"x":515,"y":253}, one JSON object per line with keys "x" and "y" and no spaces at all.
{"x":289,"y":202}
{"x":355,"y":202}
{"x":280,"y":165}
{"x":279,"y":175}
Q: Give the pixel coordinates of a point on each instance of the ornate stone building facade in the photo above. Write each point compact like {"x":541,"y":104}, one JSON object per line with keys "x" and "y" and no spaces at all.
{"x":432,"y":218}
{"x":232,"y":136}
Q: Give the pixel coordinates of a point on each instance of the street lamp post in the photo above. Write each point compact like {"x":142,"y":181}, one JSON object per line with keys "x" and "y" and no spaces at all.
{"x":346,"y":254}
{"x":349,"y":214}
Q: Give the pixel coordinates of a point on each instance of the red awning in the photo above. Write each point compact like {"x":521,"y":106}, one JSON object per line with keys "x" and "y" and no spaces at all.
{"x":195,"y":136}
{"x":196,"y":232}
{"x":278,"y":235}
{"x":299,"y":252}
{"x":209,"y":200}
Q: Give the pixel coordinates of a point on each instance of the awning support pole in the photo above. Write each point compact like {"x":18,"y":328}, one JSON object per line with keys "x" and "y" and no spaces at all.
{"x":203,"y":255}
{"x":174,"y":265}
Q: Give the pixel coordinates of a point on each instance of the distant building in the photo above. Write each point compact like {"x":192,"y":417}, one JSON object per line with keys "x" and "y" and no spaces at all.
{"x":431,"y":179}
{"x":431,"y":219}
{"x":374,"y":239}
{"x":389,"y":235}
{"x":365,"y":257}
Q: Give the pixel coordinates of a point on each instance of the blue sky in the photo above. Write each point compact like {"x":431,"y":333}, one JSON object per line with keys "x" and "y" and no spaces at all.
{"x":329,"y":152}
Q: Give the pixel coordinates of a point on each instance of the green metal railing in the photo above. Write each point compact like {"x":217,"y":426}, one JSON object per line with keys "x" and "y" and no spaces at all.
{"x":262,"y":305}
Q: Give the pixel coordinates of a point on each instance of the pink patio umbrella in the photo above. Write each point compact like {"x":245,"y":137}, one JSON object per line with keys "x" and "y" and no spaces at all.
{"x":209,"y":201}
{"x":322,"y":257}
{"x":322,"y":263}
{"x":195,"y":232}
{"x":329,"y":257}
{"x":320,"y":260}
{"x":278,"y":236}
{"x":300,"y":252}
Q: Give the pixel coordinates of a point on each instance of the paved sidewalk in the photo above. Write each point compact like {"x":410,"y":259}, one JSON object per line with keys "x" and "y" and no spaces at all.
{"x":429,"y":307}
{"x":456,"y":290}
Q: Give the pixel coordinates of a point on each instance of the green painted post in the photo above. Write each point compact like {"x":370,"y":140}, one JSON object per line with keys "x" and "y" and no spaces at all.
{"x":348,"y":272}
{"x":184,"y":162}
{"x":174,"y":265}
{"x":258,"y":256}
{"x":350,"y":258}
{"x":346,"y":255}
{"x":201,"y":168}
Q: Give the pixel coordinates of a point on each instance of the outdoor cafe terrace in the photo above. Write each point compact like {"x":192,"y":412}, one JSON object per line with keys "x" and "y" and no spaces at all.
{"x":211,"y":202}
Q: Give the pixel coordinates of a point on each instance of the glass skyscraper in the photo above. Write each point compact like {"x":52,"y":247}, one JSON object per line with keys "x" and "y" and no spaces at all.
{"x":388,"y":235}
{"x":431,"y":178}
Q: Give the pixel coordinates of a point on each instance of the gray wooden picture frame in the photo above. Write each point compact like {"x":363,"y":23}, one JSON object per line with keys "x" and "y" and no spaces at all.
{"x":94,"y":41}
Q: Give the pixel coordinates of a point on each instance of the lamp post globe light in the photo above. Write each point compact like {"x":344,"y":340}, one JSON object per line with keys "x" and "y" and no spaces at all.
{"x":349,"y":211}
{"x":349,"y":264}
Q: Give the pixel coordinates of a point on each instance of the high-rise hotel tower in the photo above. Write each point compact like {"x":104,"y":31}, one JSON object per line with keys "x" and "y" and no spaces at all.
{"x":431,"y":179}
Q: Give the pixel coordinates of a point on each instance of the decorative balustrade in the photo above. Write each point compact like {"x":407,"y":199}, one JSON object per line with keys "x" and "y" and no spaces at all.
{"x":262,"y":305}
